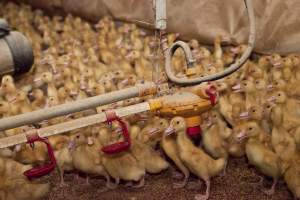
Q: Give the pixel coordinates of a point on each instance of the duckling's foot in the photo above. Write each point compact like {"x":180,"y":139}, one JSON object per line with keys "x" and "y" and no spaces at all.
{"x":141,"y":183}
{"x":110,"y":185}
{"x":194,"y":185}
{"x":76,"y":177}
{"x":87,"y":181}
{"x":177,"y":175}
{"x":180,"y":185}
{"x":223,"y":172}
{"x":129,"y":184}
{"x":269,"y":192}
{"x":201,"y":197}
{"x":206,"y":196}
{"x":272,"y":190}
{"x":63,"y":184}
{"x":225,"y":167}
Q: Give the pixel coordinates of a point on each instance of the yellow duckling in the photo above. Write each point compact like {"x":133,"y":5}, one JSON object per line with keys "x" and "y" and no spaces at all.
{"x":86,"y":158}
{"x":194,"y":158}
{"x":169,"y":145}
{"x":259,"y":155}
{"x":147,"y":156}
{"x":22,"y":102}
{"x":122,"y":165}
{"x":214,"y":139}
{"x":8,"y":88}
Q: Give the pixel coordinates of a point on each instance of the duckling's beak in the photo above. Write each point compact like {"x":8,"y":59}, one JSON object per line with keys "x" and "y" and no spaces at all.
{"x":57,"y":75}
{"x":90,"y":141}
{"x":54,"y":69}
{"x":118,"y":130}
{"x":114,"y":105}
{"x":244,"y":115}
{"x":85,"y":60}
{"x":234,"y":50}
{"x":242,"y":135}
{"x":13,"y":100}
{"x":269,"y":87}
{"x":153,"y":131}
{"x":71,"y":145}
{"x":277,"y":64}
{"x":88,"y":90}
{"x":143,"y":117}
{"x":170,"y":130}
{"x":152,"y":43}
{"x":18,"y":148}
{"x":209,"y":121}
{"x":68,"y":116}
{"x":125,"y":81}
{"x":237,"y":88}
{"x":129,"y":55}
{"x":82,"y":86}
{"x":272,"y":99}
{"x":73,"y":93}
{"x":30,"y":94}
{"x":37,"y":80}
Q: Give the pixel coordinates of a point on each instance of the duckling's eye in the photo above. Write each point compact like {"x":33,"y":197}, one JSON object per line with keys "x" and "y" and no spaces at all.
{"x":279,"y":95}
{"x":250,"y":128}
{"x":268,"y":106}
{"x":253,"y":111}
{"x":77,"y":136}
{"x":161,"y":123}
{"x":177,"y":122}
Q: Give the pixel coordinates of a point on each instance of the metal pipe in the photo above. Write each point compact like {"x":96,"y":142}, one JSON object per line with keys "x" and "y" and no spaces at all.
{"x":232,"y":68}
{"x":84,"y":104}
{"x":71,"y":125}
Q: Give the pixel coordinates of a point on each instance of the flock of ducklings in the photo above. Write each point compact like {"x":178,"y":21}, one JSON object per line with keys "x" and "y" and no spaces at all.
{"x":257,"y":115}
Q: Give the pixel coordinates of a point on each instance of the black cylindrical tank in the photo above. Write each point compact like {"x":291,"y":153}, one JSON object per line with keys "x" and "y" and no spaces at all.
{"x":16,"y":55}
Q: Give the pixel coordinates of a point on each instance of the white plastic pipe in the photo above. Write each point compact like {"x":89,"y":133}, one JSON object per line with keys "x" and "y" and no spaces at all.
{"x":71,"y":125}
{"x":76,"y":106}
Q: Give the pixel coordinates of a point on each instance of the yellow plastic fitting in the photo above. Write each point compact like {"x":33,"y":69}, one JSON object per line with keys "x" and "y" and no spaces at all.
{"x":193,"y":121}
{"x":155,"y":104}
{"x":191,"y":71}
